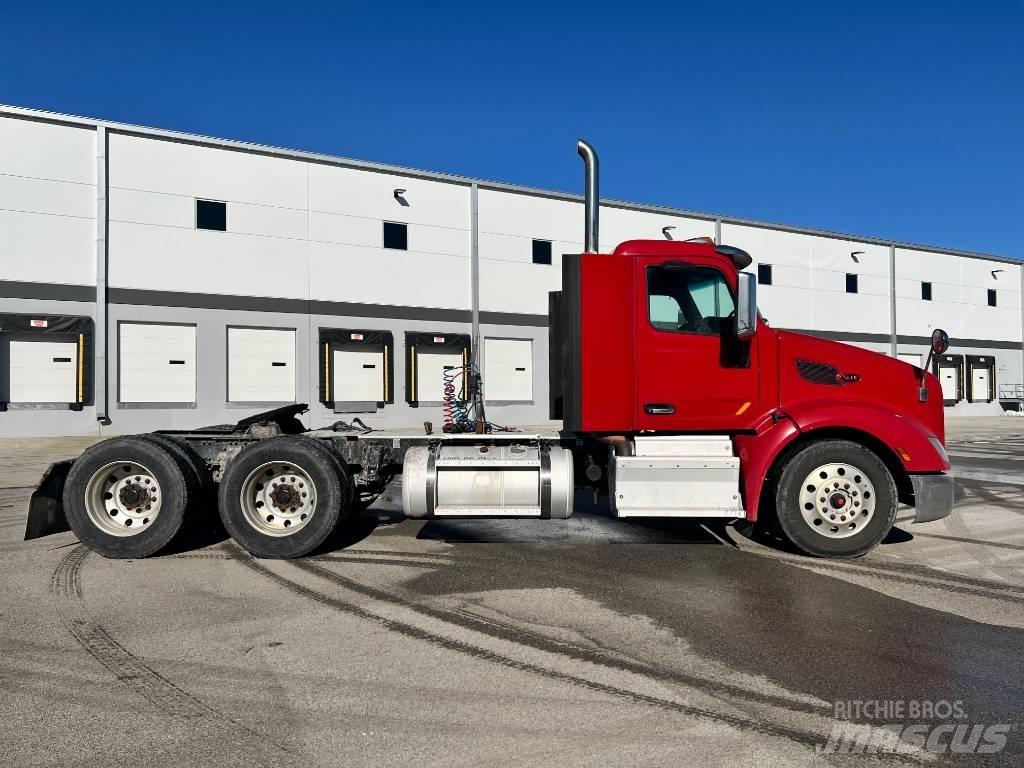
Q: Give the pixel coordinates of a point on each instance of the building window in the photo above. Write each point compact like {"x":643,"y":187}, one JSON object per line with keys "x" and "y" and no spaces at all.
{"x":396,"y":236}
{"x":541,"y":251}
{"x":851,"y":283}
{"x":991,"y":297}
{"x":926,"y":291}
{"x":211,"y":214}
{"x":764,"y":274}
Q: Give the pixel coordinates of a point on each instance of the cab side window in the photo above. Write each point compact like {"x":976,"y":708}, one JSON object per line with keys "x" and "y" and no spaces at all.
{"x":689,"y":299}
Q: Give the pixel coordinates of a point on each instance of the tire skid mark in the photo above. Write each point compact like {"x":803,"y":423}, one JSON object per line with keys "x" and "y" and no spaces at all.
{"x":806,"y":738}
{"x":926,"y":573}
{"x":979,"y":542}
{"x":949,"y":585}
{"x":511,"y":633}
{"x":134,"y":673}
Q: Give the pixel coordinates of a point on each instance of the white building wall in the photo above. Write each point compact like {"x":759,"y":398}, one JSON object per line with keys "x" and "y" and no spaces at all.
{"x":47,"y":202}
{"x":347,"y":259}
{"x":309,"y":232}
{"x":153,"y":240}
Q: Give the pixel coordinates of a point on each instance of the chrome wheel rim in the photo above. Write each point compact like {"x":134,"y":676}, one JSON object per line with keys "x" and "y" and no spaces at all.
{"x":123,"y":498}
{"x":837,"y":500}
{"x":278,"y":498}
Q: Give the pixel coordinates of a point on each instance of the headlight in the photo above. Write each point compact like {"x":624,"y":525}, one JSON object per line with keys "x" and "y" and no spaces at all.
{"x":939,"y":448}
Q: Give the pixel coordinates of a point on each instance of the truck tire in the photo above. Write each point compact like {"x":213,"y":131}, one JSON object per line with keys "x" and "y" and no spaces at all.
{"x":197,"y":473}
{"x":127,"y":497}
{"x":283,"y":496}
{"x":835,"y":498}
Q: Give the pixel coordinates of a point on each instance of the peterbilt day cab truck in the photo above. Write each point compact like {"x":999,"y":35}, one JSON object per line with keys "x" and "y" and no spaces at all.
{"x":677,"y":400}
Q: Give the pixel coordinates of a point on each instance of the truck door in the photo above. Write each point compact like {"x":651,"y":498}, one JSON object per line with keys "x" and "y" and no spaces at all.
{"x":692,"y":373}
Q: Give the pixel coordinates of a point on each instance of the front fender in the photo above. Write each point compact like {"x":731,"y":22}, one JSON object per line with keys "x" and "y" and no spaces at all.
{"x":907,"y":439}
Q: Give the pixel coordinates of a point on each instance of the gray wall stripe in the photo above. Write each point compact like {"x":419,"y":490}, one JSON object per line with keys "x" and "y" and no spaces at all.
{"x":13,"y":289}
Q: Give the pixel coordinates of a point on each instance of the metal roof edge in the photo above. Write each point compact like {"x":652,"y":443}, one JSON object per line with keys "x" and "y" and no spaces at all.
{"x":266,"y":149}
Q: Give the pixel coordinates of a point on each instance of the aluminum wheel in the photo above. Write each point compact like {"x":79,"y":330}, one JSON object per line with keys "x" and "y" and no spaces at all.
{"x":123,"y":498}
{"x":278,"y":498}
{"x":837,"y":500}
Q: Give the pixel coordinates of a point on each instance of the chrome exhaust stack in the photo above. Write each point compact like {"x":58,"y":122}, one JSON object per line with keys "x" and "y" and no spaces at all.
{"x":591,"y":198}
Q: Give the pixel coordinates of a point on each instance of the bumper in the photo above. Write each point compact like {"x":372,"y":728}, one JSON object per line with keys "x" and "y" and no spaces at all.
{"x":933,"y":497}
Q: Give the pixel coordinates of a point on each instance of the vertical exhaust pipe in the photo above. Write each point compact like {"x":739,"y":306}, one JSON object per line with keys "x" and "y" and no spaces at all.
{"x":591,"y":198}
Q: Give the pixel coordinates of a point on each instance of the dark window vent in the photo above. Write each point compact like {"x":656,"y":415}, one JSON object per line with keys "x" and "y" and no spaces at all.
{"x":396,"y":236}
{"x":817,"y":373}
{"x":212,"y":215}
{"x":541,"y":251}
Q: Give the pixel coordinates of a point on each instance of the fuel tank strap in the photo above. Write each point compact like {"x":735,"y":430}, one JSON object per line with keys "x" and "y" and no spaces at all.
{"x":431,"y":480}
{"x":545,"y":483}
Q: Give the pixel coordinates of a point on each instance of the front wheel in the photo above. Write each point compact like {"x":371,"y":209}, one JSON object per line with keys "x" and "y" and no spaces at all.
{"x":835,"y":498}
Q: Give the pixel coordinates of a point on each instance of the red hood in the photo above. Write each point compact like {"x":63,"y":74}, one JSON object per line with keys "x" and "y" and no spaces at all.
{"x":808,"y":369}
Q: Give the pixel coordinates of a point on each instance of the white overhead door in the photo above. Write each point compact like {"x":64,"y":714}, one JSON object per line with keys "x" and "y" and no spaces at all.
{"x":980,"y":378}
{"x":430,"y":367}
{"x":508,"y":369}
{"x":157,"y":363}
{"x":261,"y":365}
{"x":910,"y":357}
{"x":43,"y":372}
{"x":947,"y":377}
{"x":358,"y":374}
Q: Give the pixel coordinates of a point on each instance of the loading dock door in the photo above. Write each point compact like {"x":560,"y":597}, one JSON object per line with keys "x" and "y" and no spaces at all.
{"x":980,"y":383}
{"x":950,"y":371}
{"x":948,"y":379}
{"x":261,"y":365}
{"x":981,"y":371}
{"x":43,"y":371}
{"x":157,"y":363}
{"x":508,"y":369}
{"x":431,"y":365}
{"x":910,"y":357}
{"x":358,"y":374}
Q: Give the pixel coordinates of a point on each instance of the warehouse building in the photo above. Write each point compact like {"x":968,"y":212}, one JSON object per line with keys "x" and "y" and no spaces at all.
{"x":153,"y":279}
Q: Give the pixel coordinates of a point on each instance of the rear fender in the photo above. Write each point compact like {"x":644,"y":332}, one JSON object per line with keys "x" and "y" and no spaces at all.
{"x":46,"y":507}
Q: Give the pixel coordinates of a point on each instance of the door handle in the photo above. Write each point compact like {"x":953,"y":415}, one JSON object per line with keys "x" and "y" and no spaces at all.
{"x":659,"y":409}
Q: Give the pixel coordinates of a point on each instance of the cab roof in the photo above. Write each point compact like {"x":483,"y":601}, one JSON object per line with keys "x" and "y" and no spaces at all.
{"x":682,"y":248}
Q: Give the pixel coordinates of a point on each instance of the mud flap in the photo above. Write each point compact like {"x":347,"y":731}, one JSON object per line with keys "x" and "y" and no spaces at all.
{"x":46,"y":507}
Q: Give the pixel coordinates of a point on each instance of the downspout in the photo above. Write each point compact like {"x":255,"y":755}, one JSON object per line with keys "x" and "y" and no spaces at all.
{"x":100,"y":395}
{"x":474,"y":269}
{"x":892,"y":301}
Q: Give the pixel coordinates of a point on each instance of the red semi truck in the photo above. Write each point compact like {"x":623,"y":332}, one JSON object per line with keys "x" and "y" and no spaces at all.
{"x":677,"y":400}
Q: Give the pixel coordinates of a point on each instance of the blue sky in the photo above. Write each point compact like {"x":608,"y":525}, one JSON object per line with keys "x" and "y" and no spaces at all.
{"x":899,"y":120}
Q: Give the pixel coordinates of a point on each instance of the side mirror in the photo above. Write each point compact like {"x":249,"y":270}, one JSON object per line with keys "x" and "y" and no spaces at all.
{"x":940,"y":343}
{"x":746,"y":305}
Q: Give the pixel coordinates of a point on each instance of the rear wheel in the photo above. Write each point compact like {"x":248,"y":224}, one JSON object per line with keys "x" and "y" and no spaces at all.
{"x":127,"y":497}
{"x":283,"y":496}
{"x":835,"y":498}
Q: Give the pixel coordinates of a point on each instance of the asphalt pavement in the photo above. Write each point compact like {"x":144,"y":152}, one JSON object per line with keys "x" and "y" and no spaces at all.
{"x":589,"y":641}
